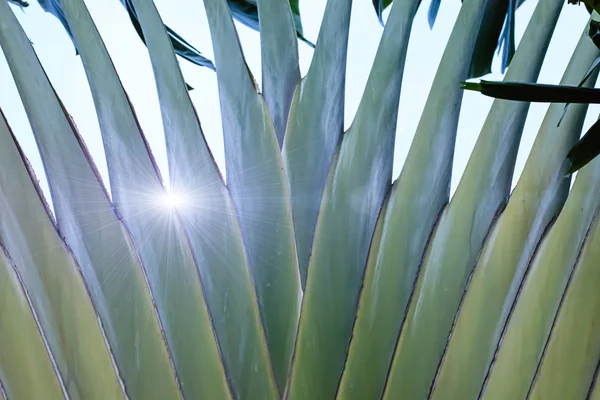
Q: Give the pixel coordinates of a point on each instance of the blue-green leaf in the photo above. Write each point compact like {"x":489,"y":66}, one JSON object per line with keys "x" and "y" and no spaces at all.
{"x":586,"y":149}
{"x":260,"y":192}
{"x":315,"y":124}
{"x":359,"y":179}
{"x":246,"y":12}
{"x":496,"y":32}
{"x":279,"y":55}
{"x":181,"y":46}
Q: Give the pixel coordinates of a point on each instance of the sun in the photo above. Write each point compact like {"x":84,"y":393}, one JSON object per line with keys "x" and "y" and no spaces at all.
{"x":172,"y":200}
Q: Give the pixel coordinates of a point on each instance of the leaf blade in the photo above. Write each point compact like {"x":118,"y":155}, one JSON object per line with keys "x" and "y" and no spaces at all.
{"x":594,"y":393}
{"x":412,"y":213}
{"x":159,"y":238}
{"x":315,"y":125}
{"x":26,"y":366}
{"x":543,"y":289}
{"x":280,"y":68}
{"x":569,"y":364}
{"x":535,"y":202}
{"x":239,"y":330}
{"x":428,"y":176}
{"x":52,"y":277}
{"x":357,"y":184}
{"x":258,"y":186}
{"x":87,"y":222}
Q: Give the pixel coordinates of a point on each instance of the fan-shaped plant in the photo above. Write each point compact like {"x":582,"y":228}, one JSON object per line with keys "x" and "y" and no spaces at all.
{"x":309,"y":274}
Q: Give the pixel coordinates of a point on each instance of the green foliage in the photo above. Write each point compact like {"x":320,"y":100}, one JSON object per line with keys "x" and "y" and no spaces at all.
{"x":308,"y":273}
{"x":589,"y":145}
{"x":245,"y":11}
{"x":497,"y":31}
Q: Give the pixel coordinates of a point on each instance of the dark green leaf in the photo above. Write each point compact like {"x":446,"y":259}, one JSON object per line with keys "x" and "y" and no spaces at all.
{"x":594,"y":32}
{"x":507,"y":38}
{"x":535,"y":92}
{"x":590,"y":5}
{"x":295,"y":6}
{"x":589,"y":73}
{"x":180,"y":45}
{"x":19,"y":3}
{"x":381,"y":5}
{"x":496,"y":29}
{"x":506,"y":42}
{"x":434,"y":7}
{"x":489,"y":38}
{"x":586,"y":149}
{"x":246,"y":12}
{"x":53,"y":7}
{"x":497,"y":32}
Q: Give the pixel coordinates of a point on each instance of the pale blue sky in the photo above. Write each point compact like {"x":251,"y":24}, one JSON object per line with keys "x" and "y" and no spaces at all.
{"x":188,"y":18}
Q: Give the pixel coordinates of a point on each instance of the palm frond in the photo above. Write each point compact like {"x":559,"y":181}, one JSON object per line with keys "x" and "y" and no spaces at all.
{"x":307,"y":273}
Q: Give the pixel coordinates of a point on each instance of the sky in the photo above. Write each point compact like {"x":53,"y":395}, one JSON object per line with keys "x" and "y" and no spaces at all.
{"x":188,"y":18}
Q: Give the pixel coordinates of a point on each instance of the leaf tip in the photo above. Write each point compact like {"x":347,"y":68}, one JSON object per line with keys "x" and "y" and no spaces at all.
{"x":571,"y":166}
{"x":474,"y":86}
{"x":305,"y":40}
{"x":20,"y":3}
{"x":431,"y":22}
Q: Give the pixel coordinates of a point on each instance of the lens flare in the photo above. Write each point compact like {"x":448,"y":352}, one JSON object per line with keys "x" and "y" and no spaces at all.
{"x":172,"y":200}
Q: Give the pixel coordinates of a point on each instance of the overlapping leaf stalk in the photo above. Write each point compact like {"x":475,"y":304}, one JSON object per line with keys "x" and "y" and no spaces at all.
{"x":309,"y":275}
